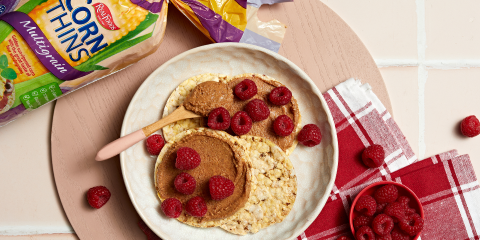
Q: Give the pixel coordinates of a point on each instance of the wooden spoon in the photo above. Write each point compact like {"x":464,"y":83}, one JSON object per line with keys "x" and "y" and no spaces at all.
{"x":121,"y":144}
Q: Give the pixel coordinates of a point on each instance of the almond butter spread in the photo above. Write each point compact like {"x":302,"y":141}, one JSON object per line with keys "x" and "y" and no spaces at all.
{"x":207,"y":96}
{"x":265,"y":128}
{"x":217,"y":158}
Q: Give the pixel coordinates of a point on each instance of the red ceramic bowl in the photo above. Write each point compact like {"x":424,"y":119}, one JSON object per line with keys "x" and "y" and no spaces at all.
{"x":402,"y":191}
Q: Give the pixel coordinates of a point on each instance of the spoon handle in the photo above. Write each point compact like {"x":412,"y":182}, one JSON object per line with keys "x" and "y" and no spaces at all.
{"x":119,"y":145}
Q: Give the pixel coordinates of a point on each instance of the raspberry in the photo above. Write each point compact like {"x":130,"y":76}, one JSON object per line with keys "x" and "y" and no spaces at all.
{"x":98,"y":196}
{"x":310,"y":135}
{"x":470,"y":126}
{"x":241,"y":123}
{"x":344,"y":238}
{"x":398,"y":234}
{"x":384,"y":237}
{"x":220,"y":187}
{"x":395,"y":210}
{"x":246,"y":89}
{"x":185,"y":183}
{"x":154,"y":144}
{"x":219,"y":119}
{"x":405,"y":200}
{"x":412,"y":224}
{"x":280,"y":96}
{"x":365,"y":233}
{"x":187,"y":158}
{"x":373,"y":156}
{"x":382,"y":224}
{"x":283,"y":125}
{"x":257,"y":110}
{"x":386,"y":194}
{"x":361,"y":220}
{"x":172,"y":207}
{"x":381,"y":207}
{"x":196,"y":207}
{"x":366,"y":205}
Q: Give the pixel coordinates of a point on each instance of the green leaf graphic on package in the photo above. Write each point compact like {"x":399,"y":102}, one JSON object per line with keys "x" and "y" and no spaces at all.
{"x":6,"y":72}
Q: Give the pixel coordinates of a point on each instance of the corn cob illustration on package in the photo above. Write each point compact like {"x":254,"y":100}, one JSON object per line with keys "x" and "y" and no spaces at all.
{"x":234,"y":21}
{"x":51,"y":47}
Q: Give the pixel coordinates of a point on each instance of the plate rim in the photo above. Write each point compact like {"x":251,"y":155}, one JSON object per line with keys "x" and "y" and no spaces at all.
{"x":275,"y":55}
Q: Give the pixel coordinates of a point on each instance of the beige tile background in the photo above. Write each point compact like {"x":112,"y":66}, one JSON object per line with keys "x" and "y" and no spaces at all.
{"x":429,"y":55}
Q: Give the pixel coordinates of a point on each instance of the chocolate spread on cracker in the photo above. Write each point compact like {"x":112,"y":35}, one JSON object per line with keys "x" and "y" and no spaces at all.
{"x":217,"y":158}
{"x":207,"y":96}
{"x":265,"y":128}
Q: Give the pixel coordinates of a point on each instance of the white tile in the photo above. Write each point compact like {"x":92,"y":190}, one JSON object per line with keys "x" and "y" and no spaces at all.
{"x":29,"y":200}
{"x":452,"y":28}
{"x":388,"y":28}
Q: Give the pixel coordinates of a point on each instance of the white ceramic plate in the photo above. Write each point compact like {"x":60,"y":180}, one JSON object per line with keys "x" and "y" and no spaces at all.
{"x":315,"y":167}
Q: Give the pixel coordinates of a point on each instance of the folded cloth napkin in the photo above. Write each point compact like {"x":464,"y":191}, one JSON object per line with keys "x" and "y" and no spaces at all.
{"x":445,"y":183}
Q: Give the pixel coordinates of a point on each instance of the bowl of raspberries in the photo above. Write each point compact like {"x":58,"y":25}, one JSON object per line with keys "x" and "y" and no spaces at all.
{"x":386,"y":211}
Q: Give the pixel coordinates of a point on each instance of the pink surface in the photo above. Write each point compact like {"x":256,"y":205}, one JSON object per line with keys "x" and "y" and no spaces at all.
{"x":86,"y":120}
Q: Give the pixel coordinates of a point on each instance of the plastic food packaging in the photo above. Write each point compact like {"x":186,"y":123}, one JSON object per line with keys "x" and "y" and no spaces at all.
{"x":234,"y":21}
{"x":51,"y":47}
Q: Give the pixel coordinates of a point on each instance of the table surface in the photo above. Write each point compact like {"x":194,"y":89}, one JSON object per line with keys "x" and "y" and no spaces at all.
{"x":429,"y":62}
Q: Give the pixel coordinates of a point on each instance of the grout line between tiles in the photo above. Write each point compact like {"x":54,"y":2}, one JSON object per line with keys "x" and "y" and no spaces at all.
{"x":422,"y":75}
{"x":429,"y":64}
{"x":33,"y":230}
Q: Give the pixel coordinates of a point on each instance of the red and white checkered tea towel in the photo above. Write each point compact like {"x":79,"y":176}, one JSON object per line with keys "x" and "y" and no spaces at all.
{"x":446,"y":183}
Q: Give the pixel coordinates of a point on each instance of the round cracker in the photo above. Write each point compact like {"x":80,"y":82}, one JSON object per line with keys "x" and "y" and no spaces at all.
{"x":273,"y":189}
{"x":186,"y":87}
{"x":237,"y":147}
{"x":176,"y":99}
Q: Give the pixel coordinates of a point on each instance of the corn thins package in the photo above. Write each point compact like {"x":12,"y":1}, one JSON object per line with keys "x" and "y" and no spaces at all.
{"x":52,"y":47}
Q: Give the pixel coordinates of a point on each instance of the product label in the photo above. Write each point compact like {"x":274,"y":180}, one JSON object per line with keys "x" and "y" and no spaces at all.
{"x":40,"y":96}
{"x":104,"y":16}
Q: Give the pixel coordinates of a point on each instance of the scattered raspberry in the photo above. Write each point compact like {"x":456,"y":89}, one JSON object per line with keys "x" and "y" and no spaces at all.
{"x":381,"y":207}
{"x":365,"y":233}
{"x":344,"y":238}
{"x":98,"y":196}
{"x":241,"y":123}
{"x":470,"y":126}
{"x":373,"y":156}
{"x":366,"y":205}
{"x":362,"y":220}
{"x":386,"y":194}
{"x":310,"y":135}
{"x":405,"y":200}
{"x":384,"y":237}
{"x":398,"y":234}
{"x":220,"y":187}
{"x":280,"y":96}
{"x":257,"y":110}
{"x":185,"y":183}
{"x":154,"y":144}
{"x":395,"y":210}
{"x":283,"y":125}
{"x":246,"y":89}
{"x":412,"y":224}
{"x":196,"y":207}
{"x":219,"y":119}
{"x":382,"y":224}
{"x":187,"y":158}
{"x":172,"y":207}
